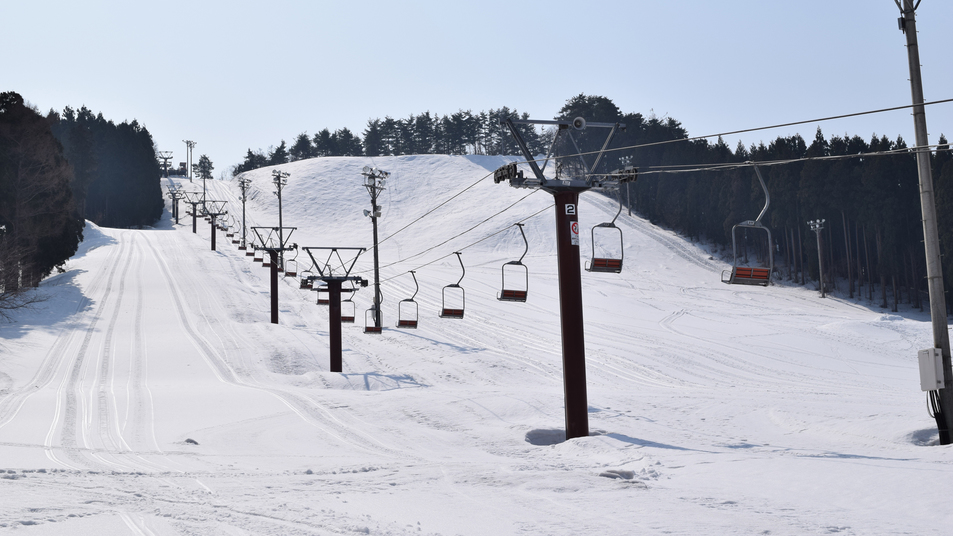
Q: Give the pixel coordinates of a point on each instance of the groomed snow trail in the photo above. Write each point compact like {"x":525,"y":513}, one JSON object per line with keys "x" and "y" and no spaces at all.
{"x":149,"y":394}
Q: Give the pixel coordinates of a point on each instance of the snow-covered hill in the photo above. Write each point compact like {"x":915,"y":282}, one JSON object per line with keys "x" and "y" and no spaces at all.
{"x":150,"y":395}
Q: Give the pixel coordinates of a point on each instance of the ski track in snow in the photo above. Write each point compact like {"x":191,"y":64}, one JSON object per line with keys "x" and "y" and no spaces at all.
{"x":165,"y":403}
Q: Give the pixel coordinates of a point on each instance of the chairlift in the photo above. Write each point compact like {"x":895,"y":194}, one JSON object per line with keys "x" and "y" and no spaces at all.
{"x":291,"y":268}
{"x":407,"y":309}
{"x":369,"y":316}
{"x":347,"y":305}
{"x":454,"y":295}
{"x":266,"y":259}
{"x":324,"y":295}
{"x":306,"y":281}
{"x":602,"y":242}
{"x":259,"y":255}
{"x":751,"y":275}
{"x":518,"y":273}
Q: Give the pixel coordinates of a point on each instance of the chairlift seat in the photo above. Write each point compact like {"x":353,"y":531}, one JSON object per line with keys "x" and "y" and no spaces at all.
{"x":407,"y":324}
{"x":347,"y":319}
{"x":451,"y":313}
{"x":745,"y":275}
{"x":513,"y":295}
{"x":605,"y":265}
{"x":372,"y":329}
{"x":305,"y":284}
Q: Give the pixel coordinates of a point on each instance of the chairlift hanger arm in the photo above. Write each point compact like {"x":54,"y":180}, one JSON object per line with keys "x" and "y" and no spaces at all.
{"x":767,"y":196}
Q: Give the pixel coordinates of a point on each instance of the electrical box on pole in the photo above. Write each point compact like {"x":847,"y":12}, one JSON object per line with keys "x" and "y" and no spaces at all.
{"x":565,"y":190}
{"x":931,"y":369}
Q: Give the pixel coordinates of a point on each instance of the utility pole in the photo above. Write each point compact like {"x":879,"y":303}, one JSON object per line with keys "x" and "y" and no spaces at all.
{"x":374,"y":180}
{"x":566,"y":195}
{"x":189,"y":145}
{"x":243,"y":183}
{"x":817,"y":226}
{"x":942,"y":398}
{"x":279,"y":178}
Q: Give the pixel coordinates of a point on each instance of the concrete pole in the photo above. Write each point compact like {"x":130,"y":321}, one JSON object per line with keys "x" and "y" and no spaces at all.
{"x":931,"y":240}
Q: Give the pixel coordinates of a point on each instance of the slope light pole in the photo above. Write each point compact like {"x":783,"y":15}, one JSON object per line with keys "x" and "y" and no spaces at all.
{"x":280,"y":179}
{"x":566,"y":194}
{"x":189,"y":145}
{"x":817,"y":226}
{"x":942,"y":398}
{"x":244,"y":183}
{"x":374,"y":180}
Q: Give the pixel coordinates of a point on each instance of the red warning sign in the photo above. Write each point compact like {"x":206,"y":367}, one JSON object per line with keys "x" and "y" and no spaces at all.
{"x":574,"y":233}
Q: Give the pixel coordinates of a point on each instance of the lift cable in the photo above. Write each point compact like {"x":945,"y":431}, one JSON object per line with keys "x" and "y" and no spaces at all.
{"x":424,"y":215}
{"x":728,"y":166}
{"x":746,"y":130}
{"x":487,"y":237}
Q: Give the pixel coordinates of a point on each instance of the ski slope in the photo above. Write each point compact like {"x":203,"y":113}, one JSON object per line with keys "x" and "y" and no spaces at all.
{"x":150,"y":395}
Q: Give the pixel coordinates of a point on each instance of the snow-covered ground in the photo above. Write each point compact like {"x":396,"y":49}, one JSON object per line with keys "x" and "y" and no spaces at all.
{"x":149,"y":394}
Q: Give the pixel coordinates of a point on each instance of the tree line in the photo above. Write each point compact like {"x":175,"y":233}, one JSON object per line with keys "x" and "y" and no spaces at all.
{"x":58,"y":170}
{"x":463,"y":132}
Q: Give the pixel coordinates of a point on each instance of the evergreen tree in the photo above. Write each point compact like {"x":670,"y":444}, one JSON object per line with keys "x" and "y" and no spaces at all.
{"x":302,"y":148}
{"x":38,"y":226}
{"x":279,"y":155}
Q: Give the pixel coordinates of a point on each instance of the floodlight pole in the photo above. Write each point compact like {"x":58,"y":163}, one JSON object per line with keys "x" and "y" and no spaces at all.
{"x":566,"y":196}
{"x":189,"y":145}
{"x":243,"y":183}
{"x":279,"y":178}
{"x":931,"y":240}
{"x":817,"y":226}
{"x":374,"y":183}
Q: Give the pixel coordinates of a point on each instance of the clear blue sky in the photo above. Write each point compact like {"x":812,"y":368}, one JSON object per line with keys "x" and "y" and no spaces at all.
{"x":236,"y":75}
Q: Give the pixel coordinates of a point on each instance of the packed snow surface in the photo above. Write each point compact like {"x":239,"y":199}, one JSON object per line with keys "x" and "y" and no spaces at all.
{"x":149,"y":394}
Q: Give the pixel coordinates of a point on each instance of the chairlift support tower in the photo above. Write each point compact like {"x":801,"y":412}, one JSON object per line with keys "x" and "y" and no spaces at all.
{"x":214,"y":209}
{"x":327,"y":274}
{"x":273,"y":252}
{"x":175,"y":194}
{"x":165,"y":156}
{"x":566,"y":194}
{"x":192,"y":198}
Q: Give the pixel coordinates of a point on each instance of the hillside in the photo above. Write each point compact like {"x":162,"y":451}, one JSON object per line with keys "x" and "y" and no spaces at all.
{"x":150,"y":395}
